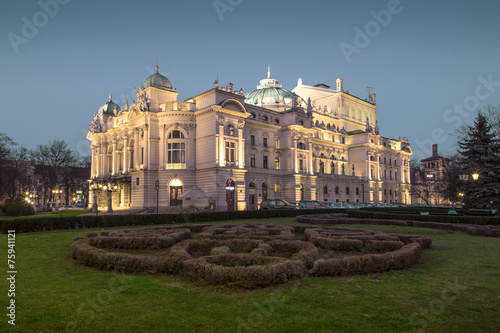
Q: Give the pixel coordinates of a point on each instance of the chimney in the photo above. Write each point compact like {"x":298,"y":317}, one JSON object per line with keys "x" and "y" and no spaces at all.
{"x":434,"y":150}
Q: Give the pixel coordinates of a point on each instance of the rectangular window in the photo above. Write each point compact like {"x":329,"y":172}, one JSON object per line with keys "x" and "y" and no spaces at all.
{"x":142,"y":155}
{"x":137,"y":181}
{"x":230,"y":152}
{"x":301,"y":165}
{"x":265,"y":142}
{"x":252,"y":140}
{"x":277,"y":144}
{"x":277,"y":163}
{"x":264,"y":162}
{"x":176,"y":152}
{"x":252,"y":160}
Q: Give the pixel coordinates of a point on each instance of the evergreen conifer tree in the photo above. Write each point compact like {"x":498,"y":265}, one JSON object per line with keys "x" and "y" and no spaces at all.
{"x":480,"y":153}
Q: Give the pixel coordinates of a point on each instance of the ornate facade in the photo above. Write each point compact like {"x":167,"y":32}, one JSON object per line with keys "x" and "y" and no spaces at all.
{"x":313,"y":142}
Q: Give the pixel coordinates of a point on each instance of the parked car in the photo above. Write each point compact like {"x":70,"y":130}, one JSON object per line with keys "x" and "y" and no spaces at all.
{"x":276,"y":204}
{"x":312,"y":204}
{"x":338,"y":205}
{"x":42,"y":208}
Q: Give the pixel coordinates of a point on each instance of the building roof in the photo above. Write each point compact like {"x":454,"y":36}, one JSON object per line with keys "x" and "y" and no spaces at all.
{"x":109,"y":108}
{"x":270,"y":94}
{"x":156,"y":80}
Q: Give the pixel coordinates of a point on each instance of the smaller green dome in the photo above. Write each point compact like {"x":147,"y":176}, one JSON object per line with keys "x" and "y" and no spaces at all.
{"x":109,"y":108}
{"x":157,"y":80}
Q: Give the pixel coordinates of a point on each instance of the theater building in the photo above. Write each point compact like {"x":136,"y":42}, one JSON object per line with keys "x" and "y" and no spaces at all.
{"x":313,"y":142}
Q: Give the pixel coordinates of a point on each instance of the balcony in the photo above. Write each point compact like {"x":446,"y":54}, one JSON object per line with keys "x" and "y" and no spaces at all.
{"x":175,"y":166}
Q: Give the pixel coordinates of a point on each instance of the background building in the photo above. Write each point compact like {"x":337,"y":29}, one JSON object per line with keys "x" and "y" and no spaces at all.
{"x":430,"y":183}
{"x":313,"y":142}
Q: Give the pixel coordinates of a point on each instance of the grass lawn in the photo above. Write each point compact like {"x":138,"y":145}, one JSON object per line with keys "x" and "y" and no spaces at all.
{"x":456,"y":288}
{"x":60,"y":213}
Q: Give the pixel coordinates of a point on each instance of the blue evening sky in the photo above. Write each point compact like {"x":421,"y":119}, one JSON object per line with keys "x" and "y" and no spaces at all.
{"x":432,"y":63}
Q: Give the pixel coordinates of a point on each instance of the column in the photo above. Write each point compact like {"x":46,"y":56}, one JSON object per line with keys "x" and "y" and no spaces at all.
{"x":377,"y":169}
{"x":310,"y":157}
{"x":114,"y":161}
{"x":241,"y":147}
{"x":222,"y":161}
{"x":136,"y":149}
{"x":162,"y":148}
{"x":294,"y":156}
{"x":93,"y":165}
{"x":125,"y":154}
{"x":146,"y":147}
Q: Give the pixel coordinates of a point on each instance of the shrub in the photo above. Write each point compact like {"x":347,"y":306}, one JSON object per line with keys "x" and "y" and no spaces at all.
{"x":220,"y":250}
{"x":371,"y":263}
{"x":377,"y":246}
{"x":19,"y":209}
{"x":243,"y":270}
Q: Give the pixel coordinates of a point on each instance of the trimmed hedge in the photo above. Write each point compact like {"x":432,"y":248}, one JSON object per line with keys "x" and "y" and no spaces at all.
{"x":243,"y":261}
{"x":405,"y":257}
{"x":35,"y":224}
{"x":248,"y":230}
{"x":243,"y":270}
{"x":381,"y":214}
{"x":471,"y":229}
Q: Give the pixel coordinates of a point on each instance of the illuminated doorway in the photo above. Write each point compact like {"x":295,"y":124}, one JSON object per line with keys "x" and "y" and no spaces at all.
{"x":230,"y":189}
{"x":175,"y":191}
{"x":251,"y":196}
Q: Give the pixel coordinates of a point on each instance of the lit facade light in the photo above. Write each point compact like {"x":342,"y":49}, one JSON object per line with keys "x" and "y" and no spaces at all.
{"x":475,"y":176}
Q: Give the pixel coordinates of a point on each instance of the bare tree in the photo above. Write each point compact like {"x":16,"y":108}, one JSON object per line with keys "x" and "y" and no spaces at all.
{"x":52,"y":161}
{"x":14,"y":168}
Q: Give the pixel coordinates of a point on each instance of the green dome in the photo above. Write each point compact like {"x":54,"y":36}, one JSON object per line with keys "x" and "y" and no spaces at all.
{"x":109,"y":108}
{"x":270,"y":94}
{"x":157,"y":80}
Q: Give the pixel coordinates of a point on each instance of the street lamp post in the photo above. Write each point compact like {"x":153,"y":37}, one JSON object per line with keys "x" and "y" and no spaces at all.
{"x":110,"y":188}
{"x":467,"y":195}
{"x":157,"y":189}
{"x":93,"y":187}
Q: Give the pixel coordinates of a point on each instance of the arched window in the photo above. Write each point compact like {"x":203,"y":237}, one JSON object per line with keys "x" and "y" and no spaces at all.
{"x":332,"y":168}
{"x":301,"y":123}
{"x":301,"y":145}
{"x":277,"y":188}
{"x":359,"y":114}
{"x":337,"y":190}
{"x":353,"y":112}
{"x":322,"y":167}
{"x":347,"y":191}
{"x":346,"y":109}
{"x":176,"y":135}
{"x":357,"y":190}
{"x":325,"y":189}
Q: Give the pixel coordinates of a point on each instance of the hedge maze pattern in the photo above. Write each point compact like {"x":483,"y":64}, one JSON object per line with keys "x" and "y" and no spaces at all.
{"x":248,"y":255}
